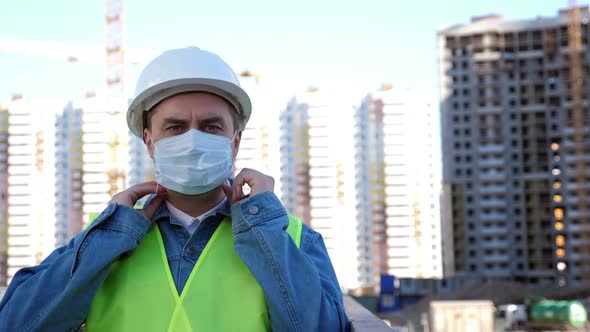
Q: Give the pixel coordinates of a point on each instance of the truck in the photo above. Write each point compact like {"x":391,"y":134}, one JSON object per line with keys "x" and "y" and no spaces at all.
{"x":462,"y":316}
{"x":540,"y":314}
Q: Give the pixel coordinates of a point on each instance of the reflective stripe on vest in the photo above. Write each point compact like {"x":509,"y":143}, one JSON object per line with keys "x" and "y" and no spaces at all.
{"x":221,"y":294}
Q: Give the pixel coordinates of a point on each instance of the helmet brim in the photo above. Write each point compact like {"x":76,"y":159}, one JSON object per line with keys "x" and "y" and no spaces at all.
{"x":152,"y":96}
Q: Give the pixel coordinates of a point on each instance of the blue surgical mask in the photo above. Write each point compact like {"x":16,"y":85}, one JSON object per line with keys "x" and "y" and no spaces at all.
{"x":194,"y":162}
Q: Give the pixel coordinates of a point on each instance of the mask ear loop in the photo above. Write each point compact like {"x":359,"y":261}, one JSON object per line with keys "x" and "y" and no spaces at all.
{"x":231,"y":176}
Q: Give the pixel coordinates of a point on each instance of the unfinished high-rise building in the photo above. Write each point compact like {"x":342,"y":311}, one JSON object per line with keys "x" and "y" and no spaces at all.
{"x":515,"y":123}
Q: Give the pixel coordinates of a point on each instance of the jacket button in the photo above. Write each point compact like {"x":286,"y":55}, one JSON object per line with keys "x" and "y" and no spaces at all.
{"x":253,"y":209}
{"x":191,"y":250}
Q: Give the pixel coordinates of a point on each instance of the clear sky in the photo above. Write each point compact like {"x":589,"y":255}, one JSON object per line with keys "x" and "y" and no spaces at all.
{"x":293,"y":44}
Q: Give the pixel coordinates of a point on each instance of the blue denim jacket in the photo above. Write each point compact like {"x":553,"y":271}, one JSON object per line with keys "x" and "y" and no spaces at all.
{"x":300,"y":286}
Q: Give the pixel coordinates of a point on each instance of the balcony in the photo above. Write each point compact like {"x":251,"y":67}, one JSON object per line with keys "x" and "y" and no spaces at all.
{"x":492,"y":162}
{"x":487,"y":55}
{"x":496,"y":258}
{"x":572,"y":158}
{"x":493,"y":230}
{"x":496,"y":244}
{"x":581,"y":242}
{"x":493,"y":189}
{"x":574,"y":186}
{"x":492,"y":203}
{"x":493,"y":216}
{"x":573,"y":214}
{"x":574,"y":228}
{"x":490,"y":148}
{"x":492,"y":176}
{"x":529,"y":54}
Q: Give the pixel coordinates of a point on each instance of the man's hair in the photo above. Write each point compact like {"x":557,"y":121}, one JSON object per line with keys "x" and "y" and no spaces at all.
{"x":147,"y":115}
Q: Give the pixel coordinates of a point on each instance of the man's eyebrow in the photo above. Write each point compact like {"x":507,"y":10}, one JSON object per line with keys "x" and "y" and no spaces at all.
{"x":214,"y":118}
{"x":173,"y":121}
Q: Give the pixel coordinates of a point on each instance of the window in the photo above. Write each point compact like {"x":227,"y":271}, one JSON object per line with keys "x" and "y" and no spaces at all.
{"x":560,"y":240}
{"x":558,"y":214}
{"x":560,"y":253}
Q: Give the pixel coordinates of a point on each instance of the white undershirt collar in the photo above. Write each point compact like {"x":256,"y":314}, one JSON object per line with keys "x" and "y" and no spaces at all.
{"x":189,"y":222}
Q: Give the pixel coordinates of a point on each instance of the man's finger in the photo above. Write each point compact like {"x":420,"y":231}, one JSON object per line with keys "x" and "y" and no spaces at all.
{"x":160,"y":189}
{"x":132,"y":194}
{"x":227,"y":190}
{"x":141,"y":189}
{"x":239,"y":182}
{"x":149,"y":210}
{"x":246,"y":176}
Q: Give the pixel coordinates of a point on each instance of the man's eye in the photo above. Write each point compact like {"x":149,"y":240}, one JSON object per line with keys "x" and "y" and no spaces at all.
{"x":213,"y":127}
{"x":173,"y":128}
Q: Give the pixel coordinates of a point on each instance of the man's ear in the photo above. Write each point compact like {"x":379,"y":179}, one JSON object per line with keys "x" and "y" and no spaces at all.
{"x":149,"y":144}
{"x":236,"y":144}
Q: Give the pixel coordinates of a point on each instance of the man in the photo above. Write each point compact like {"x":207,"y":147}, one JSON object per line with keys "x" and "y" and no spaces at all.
{"x":199,"y":255}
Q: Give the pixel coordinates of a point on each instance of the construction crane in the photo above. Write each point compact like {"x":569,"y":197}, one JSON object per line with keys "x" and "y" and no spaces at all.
{"x":70,"y":52}
{"x":114,"y":59}
{"x":578,"y":109}
{"x":117,"y":59}
{"x":114,"y":47}
{"x":248,"y":73}
{"x":115,"y":74}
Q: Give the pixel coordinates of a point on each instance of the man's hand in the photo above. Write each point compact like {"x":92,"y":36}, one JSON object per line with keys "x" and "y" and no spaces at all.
{"x":257,"y":182}
{"x":131,"y":195}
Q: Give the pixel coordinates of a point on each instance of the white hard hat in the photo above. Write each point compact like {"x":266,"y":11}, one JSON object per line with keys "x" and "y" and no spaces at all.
{"x":186,"y":70}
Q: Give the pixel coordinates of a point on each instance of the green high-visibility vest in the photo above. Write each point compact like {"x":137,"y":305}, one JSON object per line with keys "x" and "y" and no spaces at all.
{"x":221,"y":294}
